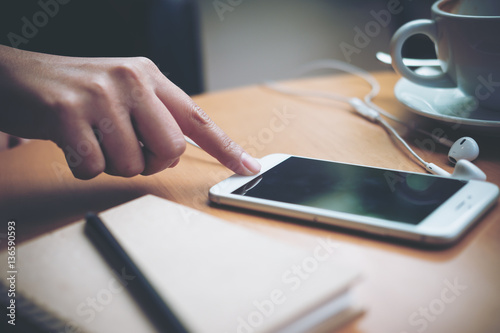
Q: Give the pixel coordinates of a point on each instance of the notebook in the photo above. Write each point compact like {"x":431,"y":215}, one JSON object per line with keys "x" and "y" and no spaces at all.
{"x":216,"y":276}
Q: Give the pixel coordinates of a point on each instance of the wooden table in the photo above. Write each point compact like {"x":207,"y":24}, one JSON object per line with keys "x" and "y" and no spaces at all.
{"x":405,"y":288}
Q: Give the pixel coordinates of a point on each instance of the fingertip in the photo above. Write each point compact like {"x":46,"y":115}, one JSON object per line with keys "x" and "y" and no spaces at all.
{"x":88,"y":171}
{"x":127,"y":169}
{"x":155,"y":164}
{"x":250,"y":164}
{"x":174,"y":164}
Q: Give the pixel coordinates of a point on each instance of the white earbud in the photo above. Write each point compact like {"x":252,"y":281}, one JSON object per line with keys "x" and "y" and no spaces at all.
{"x":463,"y":170}
{"x":464,"y":148}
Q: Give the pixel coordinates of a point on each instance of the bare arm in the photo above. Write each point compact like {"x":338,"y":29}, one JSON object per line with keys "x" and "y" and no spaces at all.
{"x":103,"y":109}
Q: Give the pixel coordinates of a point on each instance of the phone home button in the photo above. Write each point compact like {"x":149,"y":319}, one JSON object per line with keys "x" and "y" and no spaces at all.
{"x":460,"y":205}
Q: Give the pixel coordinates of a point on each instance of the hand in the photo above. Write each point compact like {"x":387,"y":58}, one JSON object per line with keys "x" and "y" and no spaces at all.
{"x":121,"y":116}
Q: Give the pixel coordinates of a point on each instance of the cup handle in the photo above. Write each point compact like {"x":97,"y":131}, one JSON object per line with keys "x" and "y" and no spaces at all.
{"x":426,"y":27}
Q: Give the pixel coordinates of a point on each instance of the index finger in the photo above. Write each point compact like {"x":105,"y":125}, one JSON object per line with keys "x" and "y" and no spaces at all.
{"x":197,"y":125}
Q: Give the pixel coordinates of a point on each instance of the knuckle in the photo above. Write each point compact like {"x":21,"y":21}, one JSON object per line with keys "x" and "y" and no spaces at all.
{"x":100,"y":93}
{"x":98,"y":87}
{"x":231,"y":149}
{"x":70,"y":105}
{"x":227,"y":144}
{"x":198,"y":118}
{"x":126,"y":70}
{"x":64,"y":112}
{"x":146,"y":62}
{"x":133,"y":68}
{"x":67,"y":102}
{"x":133,"y":74}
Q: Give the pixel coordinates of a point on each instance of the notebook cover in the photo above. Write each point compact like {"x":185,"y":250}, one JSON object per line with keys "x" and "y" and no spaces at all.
{"x":216,"y":276}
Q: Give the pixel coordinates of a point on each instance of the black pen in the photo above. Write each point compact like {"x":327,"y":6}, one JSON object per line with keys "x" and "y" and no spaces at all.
{"x":107,"y":242}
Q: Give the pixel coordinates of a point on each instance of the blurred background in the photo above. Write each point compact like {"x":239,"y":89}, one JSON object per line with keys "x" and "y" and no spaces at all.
{"x":207,"y":45}
{"x":260,"y":40}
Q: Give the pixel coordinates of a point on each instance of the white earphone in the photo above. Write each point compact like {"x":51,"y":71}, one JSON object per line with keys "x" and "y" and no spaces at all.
{"x":461,"y":153}
{"x":464,"y":169}
{"x":464,"y":148}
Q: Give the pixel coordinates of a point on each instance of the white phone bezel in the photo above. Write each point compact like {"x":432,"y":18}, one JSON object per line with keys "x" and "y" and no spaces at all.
{"x":445,"y":225}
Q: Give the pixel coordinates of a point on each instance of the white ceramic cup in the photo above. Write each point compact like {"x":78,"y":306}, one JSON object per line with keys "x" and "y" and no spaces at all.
{"x":466,"y":34}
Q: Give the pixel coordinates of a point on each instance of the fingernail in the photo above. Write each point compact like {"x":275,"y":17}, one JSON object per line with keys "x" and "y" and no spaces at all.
{"x":250,"y":163}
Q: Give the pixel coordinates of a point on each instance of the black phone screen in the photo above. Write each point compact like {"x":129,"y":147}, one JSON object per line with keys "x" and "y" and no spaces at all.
{"x":385,"y":194}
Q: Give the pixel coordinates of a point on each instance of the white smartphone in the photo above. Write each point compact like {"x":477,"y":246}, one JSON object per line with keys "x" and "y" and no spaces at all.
{"x":413,"y":206}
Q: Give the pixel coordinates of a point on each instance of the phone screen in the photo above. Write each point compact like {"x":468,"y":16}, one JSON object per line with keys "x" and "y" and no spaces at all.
{"x":385,"y":194}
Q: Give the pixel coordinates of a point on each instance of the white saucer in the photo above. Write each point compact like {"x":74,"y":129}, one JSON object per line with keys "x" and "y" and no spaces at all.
{"x":449,"y":105}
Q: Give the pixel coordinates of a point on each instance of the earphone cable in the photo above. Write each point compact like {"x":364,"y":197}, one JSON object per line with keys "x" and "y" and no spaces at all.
{"x":368,"y":99}
{"x":387,"y":126}
{"x":357,"y":104}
